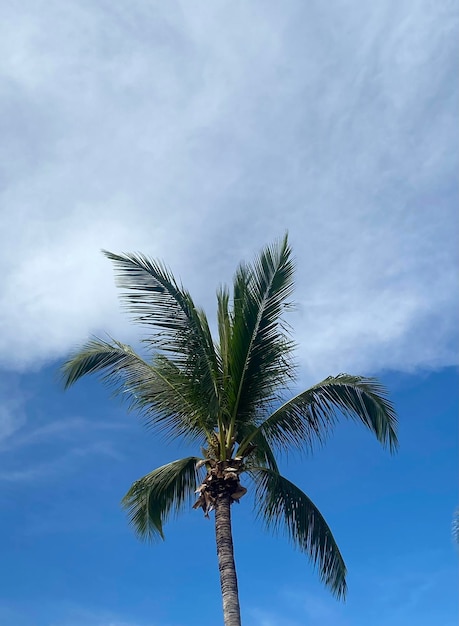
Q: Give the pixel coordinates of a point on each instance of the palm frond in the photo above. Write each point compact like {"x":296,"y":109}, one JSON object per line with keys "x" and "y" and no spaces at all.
{"x":260,"y":347}
{"x":308,"y":417}
{"x":259,"y":453}
{"x":172,"y":402}
{"x":180,"y":329}
{"x":224,"y":331}
{"x":114,"y":360}
{"x":163,"y":395}
{"x":455,"y":526}
{"x":151,"y":499}
{"x":283,"y":506}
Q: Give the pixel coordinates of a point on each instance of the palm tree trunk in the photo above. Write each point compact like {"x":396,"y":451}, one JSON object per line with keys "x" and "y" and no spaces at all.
{"x":226,"y":565}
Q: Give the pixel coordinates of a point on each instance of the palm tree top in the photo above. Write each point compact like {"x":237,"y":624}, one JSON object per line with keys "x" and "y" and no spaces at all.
{"x":229,"y":393}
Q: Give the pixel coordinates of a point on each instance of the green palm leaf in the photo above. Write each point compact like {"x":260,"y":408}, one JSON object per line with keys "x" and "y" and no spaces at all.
{"x":259,"y":351}
{"x":97,"y":356}
{"x":151,"y":499}
{"x":259,"y":453}
{"x":308,"y":417}
{"x":224,"y":333}
{"x":163,"y":395}
{"x":180,"y":329}
{"x":282,"y":505}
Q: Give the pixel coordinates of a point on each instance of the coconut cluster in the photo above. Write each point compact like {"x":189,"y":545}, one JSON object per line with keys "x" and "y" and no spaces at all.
{"x":222,"y":479}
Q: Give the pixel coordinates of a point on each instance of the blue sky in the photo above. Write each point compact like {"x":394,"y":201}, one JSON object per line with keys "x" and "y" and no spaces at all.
{"x":69,"y":557}
{"x":198,"y":132}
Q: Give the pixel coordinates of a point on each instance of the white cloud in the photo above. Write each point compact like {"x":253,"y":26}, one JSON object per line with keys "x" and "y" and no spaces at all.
{"x":197,"y":133}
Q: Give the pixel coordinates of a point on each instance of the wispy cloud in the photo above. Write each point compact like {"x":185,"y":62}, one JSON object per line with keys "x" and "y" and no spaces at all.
{"x":196,"y":133}
{"x":77,"y":615}
{"x":64,"y":429}
{"x":406,"y":593}
{"x":294,"y":608}
{"x":97,"y":621}
{"x":69,"y":615}
{"x":11,"y":418}
{"x":12,"y":413}
{"x":59,"y":446}
{"x":405,"y":590}
{"x":258,"y":617}
{"x":59,"y":465}
{"x":32,"y":451}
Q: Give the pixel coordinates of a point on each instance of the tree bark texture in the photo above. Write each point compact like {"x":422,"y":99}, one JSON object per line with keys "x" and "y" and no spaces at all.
{"x":226,"y":565}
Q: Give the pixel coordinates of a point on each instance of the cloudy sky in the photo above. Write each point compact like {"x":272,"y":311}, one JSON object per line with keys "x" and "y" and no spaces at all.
{"x":197,"y":132}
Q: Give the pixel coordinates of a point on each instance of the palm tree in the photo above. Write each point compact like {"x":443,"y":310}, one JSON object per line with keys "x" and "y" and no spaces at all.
{"x":455,"y":526}
{"x":229,"y":396}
